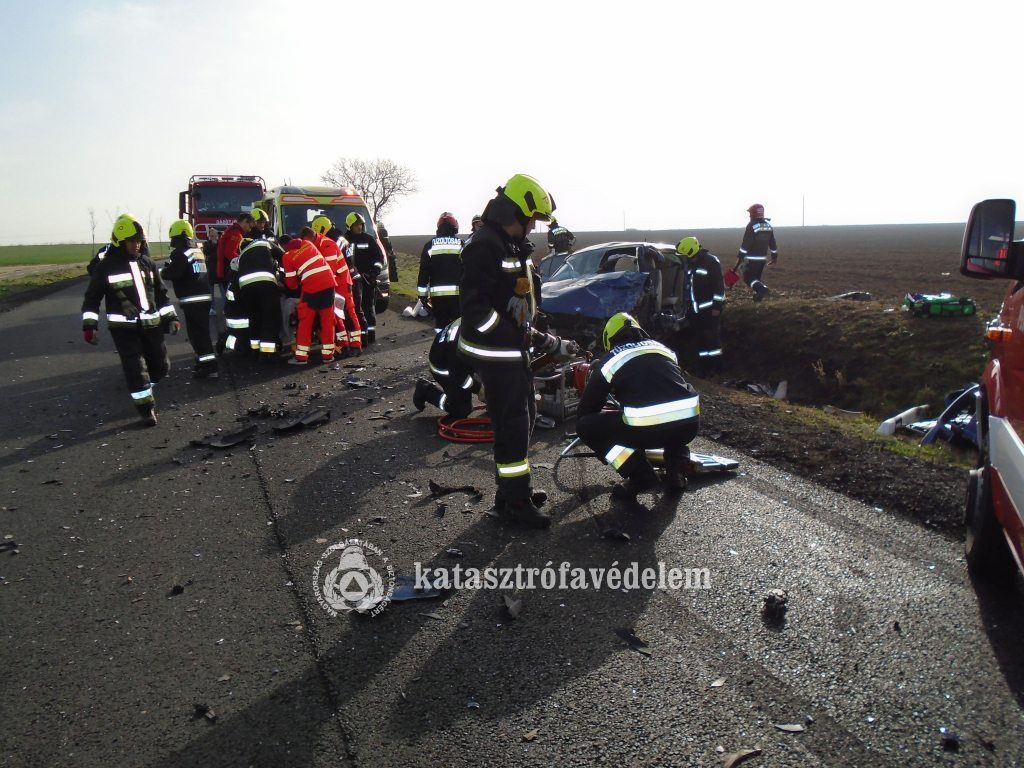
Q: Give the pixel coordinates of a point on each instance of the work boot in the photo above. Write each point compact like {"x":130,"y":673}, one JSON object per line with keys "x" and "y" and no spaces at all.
{"x":148,"y":414}
{"x":539,"y":498}
{"x":525,"y":513}
{"x":641,"y":481}
{"x":296,"y":361}
{"x":675,"y":471}
{"x":371,"y":337}
{"x":419,"y":397}
{"x":761,"y":292}
{"x":355,"y":351}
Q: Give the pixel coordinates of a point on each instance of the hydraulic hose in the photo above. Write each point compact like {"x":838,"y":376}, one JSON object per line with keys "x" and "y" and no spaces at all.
{"x":468,"y":430}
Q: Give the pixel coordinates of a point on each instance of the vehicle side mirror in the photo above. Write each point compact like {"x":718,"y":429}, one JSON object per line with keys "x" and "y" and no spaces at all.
{"x":182,"y":204}
{"x":988,"y":249}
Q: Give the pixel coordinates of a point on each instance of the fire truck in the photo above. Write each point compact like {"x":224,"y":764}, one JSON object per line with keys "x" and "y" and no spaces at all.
{"x":217,"y":201}
{"x":994,"y":508}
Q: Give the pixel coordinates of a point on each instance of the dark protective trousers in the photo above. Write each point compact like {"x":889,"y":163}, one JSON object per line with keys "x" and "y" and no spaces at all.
{"x":236,"y":322}
{"x":512,"y":408}
{"x":752,"y":271}
{"x":197,"y":326}
{"x":622,"y":446}
{"x":143,"y":359}
{"x":707,"y":335}
{"x":451,"y":398}
{"x":446,"y":309}
{"x":369,"y":311}
{"x":358,"y":287}
{"x":262,"y":304}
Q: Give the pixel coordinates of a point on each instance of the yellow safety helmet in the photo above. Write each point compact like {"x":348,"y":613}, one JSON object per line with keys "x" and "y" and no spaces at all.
{"x":322,"y":225}
{"x":126,"y":227}
{"x":259,"y":213}
{"x":615,"y":324}
{"x":181,"y":227}
{"x":532,"y":199}
{"x":354,"y":218}
{"x":688,"y":247}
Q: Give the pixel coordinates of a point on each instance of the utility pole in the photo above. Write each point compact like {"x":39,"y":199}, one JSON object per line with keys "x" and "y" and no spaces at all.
{"x":803,"y":210}
{"x":623,"y":221}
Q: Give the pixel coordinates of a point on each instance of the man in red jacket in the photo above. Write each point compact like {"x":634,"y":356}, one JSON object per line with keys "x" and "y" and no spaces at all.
{"x":230,"y":244}
{"x":306,"y":268}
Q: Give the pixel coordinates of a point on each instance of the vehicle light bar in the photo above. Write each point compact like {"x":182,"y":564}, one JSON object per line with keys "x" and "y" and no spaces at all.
{"x":999,"y":333}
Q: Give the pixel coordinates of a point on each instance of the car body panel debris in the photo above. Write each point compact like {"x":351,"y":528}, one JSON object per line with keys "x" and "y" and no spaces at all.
{"x":888,"y":427}
{"x":513,"y":605}
{"x":736,"y":758}
{"x":405,"y":589}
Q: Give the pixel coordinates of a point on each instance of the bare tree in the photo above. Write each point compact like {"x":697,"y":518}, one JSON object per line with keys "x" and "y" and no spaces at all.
{"x":380,"y":181}
{"x":160,"y":231}
{"x":92,"y":226}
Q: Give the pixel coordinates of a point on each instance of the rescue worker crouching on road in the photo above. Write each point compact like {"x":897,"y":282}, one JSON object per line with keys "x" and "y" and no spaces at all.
{"x":758,"y":243}
{"x":707,"y":299}
{"x":138,"y":311}
{"x":186,"y":271}
{"x":457,"y":385}
{"x":369,"y":263}
{"x":347,"y":331}
{"x":440,"y":272}
{"x":259,"y":295}
{"x":498,"y":302}
{"x":659,"y":409}
{"x":306,"y":268}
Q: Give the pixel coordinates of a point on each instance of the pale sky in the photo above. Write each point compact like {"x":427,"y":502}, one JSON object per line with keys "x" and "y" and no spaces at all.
{"x":676,"y":114}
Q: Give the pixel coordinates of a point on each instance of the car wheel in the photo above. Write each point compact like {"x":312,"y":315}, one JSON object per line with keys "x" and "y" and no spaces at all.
{"x":986,"y":549}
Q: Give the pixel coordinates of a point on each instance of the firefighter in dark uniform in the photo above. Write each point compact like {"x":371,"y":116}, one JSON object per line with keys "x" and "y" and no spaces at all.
{"x":259,"y":295}
{"x":102,"y":252}
{"x":261,"y":222}
{"x":658,"y":409}
{"x":369,"y":261}
{"x":707,"y":299}
{"x":236,"y":337}
{"x":186,"y":271}
{"x":454,"y":375}
{"x":389,"y":249}
{"x":499,"y":302}
{"x":138,"y":312}
{"x":758,"y":244}
{"x":560,"y":240}
{"x":440,"y":272}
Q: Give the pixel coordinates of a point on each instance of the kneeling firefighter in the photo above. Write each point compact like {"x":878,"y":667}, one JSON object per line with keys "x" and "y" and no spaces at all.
{"x":186,"y":271}
{"x":457,"y":385}
{"x":659,"y":409}
{"x":498,"y":299}
{"x":138,"y":311}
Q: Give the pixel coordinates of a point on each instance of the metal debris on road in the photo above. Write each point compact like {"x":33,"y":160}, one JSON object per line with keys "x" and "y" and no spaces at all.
{"x":473,"y":705}
{"x":453,"y":552}
{"x":246,"y":434}
{"x":311,"y":419}
{"x":204,"y":710}
{"x":791,"y":727}
{"x":432,"y":615}
{"x":531,"y":735}
{"x":718,"y":683}
{"x":628,"y":636}
{"x":513,"y":605}
{"x":738,"y":757}
{"x":223,"y":678}
{"x":775,"y":604}
{"x":615,"y":534}
{"x":405,"y":589}
{"x":444,"y":490}
{"x":840,"y":412}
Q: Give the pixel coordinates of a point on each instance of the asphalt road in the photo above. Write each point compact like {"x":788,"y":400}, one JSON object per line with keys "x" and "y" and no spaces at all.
{"x":886,"y":638}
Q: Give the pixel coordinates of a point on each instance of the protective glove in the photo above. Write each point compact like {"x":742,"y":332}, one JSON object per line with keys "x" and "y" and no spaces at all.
{"x":91,"y":336}
{"x":175,"y":327}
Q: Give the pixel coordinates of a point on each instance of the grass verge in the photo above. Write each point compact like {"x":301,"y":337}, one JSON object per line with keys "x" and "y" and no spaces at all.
{"x":20,"y":284}
{"x":18,"y":255}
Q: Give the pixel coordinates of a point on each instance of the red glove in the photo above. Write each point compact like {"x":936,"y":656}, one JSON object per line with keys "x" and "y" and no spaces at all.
{"x":90,"y":336}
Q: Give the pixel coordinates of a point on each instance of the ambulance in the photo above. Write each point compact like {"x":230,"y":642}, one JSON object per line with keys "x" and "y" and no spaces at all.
{"x":994,"y":507}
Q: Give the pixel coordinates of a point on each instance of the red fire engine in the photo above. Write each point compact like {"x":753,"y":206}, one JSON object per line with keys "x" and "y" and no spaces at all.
{"x":217,"y":201}
{"x":995,"y":491}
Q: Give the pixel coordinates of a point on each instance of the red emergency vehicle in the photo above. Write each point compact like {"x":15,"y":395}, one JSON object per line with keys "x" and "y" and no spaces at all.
{"x":217,"y":201}
{"x":995,"y":491}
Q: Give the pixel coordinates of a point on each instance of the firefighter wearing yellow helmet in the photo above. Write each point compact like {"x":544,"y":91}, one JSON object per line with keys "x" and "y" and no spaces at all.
{"x":138,"y":311}
{"x":186,"y":271}
{"x":707,"y":300}
{"x":367,"y":262}
{"x":658,"y":409}
{"x":261,"y":226}
{"x":498,"y":299}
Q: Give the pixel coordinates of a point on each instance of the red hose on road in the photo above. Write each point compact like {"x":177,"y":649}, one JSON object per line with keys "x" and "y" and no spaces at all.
{"x":466,"y":430}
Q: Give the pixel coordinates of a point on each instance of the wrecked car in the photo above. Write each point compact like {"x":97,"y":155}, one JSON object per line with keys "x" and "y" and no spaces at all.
{"x":648,"y":280}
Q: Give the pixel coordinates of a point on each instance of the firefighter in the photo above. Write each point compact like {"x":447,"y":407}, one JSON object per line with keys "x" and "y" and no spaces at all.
{"x":453,"y":374}
{"x":261,"y":220}
{"x":237,"y":335}
{"x":389,"y":249}
{"x":758,"y":243}
{"x":102,"y":252}
{"x":658,"y":408}
{"x":138,"y":311}
{"x":259,"y":295}
{"x":186,"y":271}
{"x":369,"y":261}
{"x":348,"y":338}
{"x":498,"y":303}
{"x":707,"y":298}
{"x":305,"y":268}
{"x":441,"y":270}
{"x":560,"y":240}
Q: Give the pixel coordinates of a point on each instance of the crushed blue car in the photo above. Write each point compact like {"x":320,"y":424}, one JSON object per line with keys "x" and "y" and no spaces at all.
{"x":647,"y":280}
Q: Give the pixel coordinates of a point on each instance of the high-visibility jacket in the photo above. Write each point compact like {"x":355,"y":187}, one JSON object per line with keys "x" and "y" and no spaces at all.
{"x":227,"y":248}
{"x":335,"y":258}
{"x":186,"y":270}
{"x":758,"y":241}
{"x":707,"y":286}
{"x":135,"y":296}
{"x":306,"y":268}
{"x":440,"y":267}
{"x":645,"y":379}
{"x":493,"y":265}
